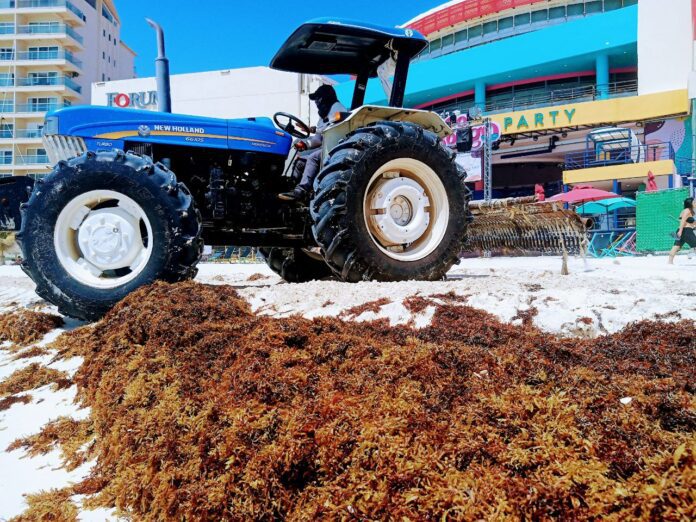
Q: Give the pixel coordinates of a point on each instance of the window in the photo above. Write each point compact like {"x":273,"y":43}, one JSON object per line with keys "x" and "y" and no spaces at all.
{"x":43,"y":78}
{"x":490,"y":27}
{"x":576,"y":10}
{"x":6,"y":53}
{"x":109,"y":37}
{"x":435,"y":45}
{"x":43,"y":53}
{"x":540,"y":16}
{"x":461,"y":36}
{"x":115,"y":42}
{"x":42,"y":104}
{"x":104,"y":55}
{"x":523,"y":19}
{"x":475,"y":31}
{"x":447,"y":40}
{"x":7,"y":28}
{"x":6,"y":79}
{"x":5,"y":157}
{"x":610,"y":5}
{"x":93,"y":3}
{"x":505,"y":24}
{"x":6,"y":130}
{"x":107,"y":14}
{"x":556,"y":13}
{"x":593,"y":7}
{"x":109,"y":59}
{"x":103,"y":77}
{"x":104,"y":32}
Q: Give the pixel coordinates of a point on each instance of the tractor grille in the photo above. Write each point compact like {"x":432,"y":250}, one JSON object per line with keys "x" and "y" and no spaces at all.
{"x":63,"y":147}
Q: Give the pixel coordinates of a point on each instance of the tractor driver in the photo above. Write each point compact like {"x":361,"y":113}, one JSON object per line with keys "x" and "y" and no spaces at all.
{"x":329,"y":108}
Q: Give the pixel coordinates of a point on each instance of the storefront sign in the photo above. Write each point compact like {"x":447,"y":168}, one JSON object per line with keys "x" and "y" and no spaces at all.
{"x":134,"y":100}
{"x":539,"y":120}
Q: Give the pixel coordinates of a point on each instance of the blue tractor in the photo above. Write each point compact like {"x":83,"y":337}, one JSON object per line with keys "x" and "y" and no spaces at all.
{"x":389,"y":204}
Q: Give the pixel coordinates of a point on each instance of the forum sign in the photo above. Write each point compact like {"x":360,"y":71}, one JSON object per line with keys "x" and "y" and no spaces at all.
{"x":133,"y":100}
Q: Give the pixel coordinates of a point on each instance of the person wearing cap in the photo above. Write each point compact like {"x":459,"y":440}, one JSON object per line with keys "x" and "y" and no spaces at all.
{"x":329,"y":110}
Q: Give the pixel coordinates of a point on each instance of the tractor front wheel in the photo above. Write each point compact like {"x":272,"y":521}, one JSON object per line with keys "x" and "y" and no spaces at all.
{"x":390,"y":204}
{"x":102,"y":225}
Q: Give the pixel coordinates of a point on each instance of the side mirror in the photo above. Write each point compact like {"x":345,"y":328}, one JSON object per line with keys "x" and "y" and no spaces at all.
{"x":465,"y":139}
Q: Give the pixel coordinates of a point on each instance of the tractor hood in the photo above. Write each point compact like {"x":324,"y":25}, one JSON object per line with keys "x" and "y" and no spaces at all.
{"x":331,"y":46}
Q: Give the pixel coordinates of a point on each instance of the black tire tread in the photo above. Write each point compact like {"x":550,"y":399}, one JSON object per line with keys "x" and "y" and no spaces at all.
{"x":186,"y":246}
{"x":294,"y":265}
{"x":334,"y":188}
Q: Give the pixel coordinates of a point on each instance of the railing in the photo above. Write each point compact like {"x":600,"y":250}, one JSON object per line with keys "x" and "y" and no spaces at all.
{"x":40,"y":4}
{"x":28,"y":133}
{"x":522,"y":100}
{"x":7,"y":82}
{"x":5,"y":160}
{"x":31,"y":159}
{"x":39,"y":107}
{"x":42,"y":55}
{"x":48,"y":81}
{"x":6,"y":107}
{"x":49,"y":28}
{"x":637,"y":154}
{"x":7,"y":28}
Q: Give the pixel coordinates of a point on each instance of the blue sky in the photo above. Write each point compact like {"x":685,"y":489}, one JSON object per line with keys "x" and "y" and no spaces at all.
{"x":204,"y":35}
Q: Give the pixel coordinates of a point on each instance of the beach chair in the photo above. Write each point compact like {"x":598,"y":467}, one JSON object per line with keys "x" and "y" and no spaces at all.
{"x":628,"y":246}
{"x":611,"y":249}
{"x":599,"y":242}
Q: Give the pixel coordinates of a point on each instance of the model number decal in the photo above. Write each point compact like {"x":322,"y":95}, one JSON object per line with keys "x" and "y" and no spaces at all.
{"x":196,"y":139}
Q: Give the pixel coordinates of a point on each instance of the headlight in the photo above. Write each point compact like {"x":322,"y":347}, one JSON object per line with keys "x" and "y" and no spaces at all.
{"x":50,"y":126}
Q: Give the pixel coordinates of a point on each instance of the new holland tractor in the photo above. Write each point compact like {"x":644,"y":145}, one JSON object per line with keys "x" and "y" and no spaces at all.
{"x":389,"y":204}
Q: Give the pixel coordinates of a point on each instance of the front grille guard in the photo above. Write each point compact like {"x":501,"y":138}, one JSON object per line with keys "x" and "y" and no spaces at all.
{"x":63,"y":148}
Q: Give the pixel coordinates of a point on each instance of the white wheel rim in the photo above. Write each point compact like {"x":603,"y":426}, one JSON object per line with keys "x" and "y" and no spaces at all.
{"x":406,"y":209}
{"x":99,"y":239}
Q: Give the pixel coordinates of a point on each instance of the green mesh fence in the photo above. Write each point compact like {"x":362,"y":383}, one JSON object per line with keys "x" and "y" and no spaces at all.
{"x":657,"y":218}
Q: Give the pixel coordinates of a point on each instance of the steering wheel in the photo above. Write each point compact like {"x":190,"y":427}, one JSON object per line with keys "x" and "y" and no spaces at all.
{"x":294,"y":125}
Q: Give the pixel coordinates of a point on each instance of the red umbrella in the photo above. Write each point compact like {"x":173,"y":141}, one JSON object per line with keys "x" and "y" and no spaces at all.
{"x":582,"y":194}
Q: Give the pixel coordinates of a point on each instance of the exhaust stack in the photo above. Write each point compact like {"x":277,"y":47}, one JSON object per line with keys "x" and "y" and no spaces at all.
{"x":164,"y":90}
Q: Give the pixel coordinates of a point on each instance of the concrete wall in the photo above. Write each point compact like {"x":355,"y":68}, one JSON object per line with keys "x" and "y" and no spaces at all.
{"x":665,"y":45}
{"x":237,"y":93}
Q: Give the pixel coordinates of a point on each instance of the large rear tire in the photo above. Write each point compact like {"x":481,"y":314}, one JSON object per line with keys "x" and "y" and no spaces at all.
{"x":295,"y":265}
{"x":103,"y":224}
{"x":390,"y":204}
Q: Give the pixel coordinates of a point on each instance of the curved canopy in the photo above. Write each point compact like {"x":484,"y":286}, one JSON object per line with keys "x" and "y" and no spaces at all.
{"x":332,"y":46}
{"x":606,"y":205}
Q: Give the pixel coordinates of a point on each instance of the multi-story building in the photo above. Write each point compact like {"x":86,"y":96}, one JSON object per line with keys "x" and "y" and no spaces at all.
{"x":552,"y":74}
{"x":51,"y":51}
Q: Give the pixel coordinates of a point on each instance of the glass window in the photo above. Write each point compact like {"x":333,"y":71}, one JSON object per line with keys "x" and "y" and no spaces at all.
{"x":490,"y":27}
{"x":523,"y":19}
{"x":505,"y":23}
{"x":610,"y":5}
{"x":447,"y":40}
{"x":6,"y":53}
{"x":43,"y":78}
{"x":5,"y":157}
{"x":593,"y":7}
{"x":107,"y":14}
{"x":6,"y":130}
{"x":556,"y":13}
{"x":540,"y":16}
{"x":630,"y":2}
{"x":461,"y":36}
{"x":6,"y":79}
{"x":475,"y":31}
{"x":576,"y":10}
{"x":435,"y":45}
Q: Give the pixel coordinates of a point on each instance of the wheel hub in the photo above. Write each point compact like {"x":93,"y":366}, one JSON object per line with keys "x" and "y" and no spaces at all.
{"x":399,"y":211}
{"x":110,"y":238}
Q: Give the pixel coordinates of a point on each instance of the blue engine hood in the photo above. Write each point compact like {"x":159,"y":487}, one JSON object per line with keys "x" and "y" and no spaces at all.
{"x":111,"y":127}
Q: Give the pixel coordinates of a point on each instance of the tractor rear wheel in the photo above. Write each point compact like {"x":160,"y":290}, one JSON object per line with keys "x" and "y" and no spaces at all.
{"x":390,"y":204}
{"x":102,"y":225}
{"x":295,"y":265}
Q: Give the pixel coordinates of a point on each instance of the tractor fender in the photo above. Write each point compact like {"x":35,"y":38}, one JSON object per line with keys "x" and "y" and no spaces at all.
{"x":373,"y":113}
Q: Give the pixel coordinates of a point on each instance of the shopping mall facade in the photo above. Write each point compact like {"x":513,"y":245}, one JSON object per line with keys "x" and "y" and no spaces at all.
{"x":549,"y":74}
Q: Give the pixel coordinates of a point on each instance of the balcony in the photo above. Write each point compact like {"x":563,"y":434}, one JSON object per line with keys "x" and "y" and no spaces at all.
{"x":38,"y":108}
{"x":20,"y":134}
{"x":57,"y":81}
{"x":588,"y":159}
{"x":61,"y":6}
{"x":32,"y":57}
{"x":31,"y":159}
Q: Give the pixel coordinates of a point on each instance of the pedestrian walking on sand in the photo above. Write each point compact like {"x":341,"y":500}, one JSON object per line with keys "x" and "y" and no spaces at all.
{"x":686,"y":234}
